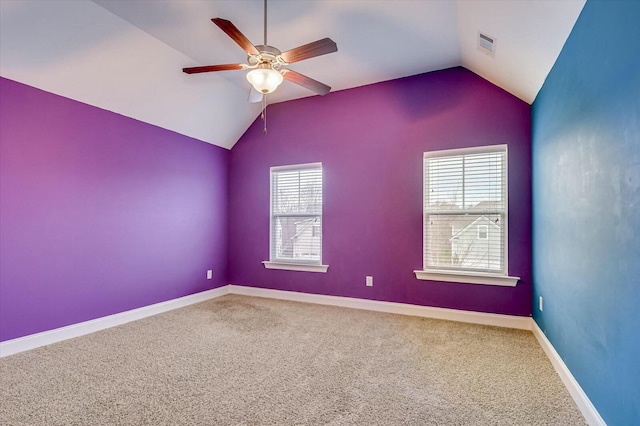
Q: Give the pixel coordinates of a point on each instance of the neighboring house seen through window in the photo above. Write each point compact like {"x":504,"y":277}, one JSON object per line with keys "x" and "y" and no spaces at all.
{"x":465,"y":215}
{"x":295,"y":237}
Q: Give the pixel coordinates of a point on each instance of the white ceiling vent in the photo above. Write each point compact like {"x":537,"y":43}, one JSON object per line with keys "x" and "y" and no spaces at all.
{"x":486,"y":44}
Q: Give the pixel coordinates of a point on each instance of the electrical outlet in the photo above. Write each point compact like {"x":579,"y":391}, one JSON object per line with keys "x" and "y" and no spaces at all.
{"x":540,"y":303}
{"x":210,"y":274}
{"x":368,"y":281}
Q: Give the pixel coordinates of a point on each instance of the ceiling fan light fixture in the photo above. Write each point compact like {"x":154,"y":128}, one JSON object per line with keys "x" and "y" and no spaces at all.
{"x":264,"y":80}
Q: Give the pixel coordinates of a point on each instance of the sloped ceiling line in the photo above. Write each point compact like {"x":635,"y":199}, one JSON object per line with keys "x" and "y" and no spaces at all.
{"x":127,"y":56}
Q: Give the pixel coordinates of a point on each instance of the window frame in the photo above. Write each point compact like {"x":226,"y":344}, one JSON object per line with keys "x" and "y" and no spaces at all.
{"x":464,"y":275}
{"x":274,"y":262}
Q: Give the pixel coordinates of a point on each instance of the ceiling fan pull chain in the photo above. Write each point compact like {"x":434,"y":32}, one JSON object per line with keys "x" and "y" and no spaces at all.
{"x":264,"y":113}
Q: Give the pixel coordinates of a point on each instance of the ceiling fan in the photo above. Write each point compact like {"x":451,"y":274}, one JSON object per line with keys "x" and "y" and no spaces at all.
{"x":267,"y":62}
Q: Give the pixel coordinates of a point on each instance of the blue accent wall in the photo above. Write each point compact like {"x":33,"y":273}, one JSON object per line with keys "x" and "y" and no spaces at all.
{"x":586,"y":207}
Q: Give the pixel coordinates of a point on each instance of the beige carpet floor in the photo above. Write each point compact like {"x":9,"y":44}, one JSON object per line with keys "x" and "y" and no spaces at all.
{"x":238,"y":360}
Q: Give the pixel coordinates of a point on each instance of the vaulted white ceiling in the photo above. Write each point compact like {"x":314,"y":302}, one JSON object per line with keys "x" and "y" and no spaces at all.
{"x":127,"y":56}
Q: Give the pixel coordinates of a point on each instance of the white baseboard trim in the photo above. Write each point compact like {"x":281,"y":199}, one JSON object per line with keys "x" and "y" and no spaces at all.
{"x":581,"y":399}
{"x":32,"y":341}
{"x":585,"y":406}
{"x":510,"y":321}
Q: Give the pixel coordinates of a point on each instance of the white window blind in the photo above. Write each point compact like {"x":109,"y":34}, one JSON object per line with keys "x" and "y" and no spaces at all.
{"x":296,"y":214}
{"x":465,"y":210}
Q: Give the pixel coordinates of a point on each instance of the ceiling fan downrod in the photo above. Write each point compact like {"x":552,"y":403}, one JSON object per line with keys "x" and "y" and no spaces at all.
{"x":263,"y":115}
{"x":265,"y":22}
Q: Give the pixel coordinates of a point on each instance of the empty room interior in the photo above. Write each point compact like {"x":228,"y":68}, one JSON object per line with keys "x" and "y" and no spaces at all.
{"x":319,"y":212}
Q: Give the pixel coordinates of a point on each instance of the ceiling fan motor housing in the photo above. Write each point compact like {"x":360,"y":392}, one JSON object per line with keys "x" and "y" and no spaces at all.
{"x":268,"y":54}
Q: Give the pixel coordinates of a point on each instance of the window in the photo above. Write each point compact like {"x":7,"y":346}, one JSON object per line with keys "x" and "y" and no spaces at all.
{"x":295,"y":237}
{"x":483,"y":232}
{"x":465,"y":216}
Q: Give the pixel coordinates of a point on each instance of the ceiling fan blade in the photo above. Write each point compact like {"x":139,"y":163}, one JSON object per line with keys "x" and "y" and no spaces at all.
{"x":311,"y":50}
{"x":254,"y":96}
{"x":236,"y":35}
{"x":210,"y":68}
{"x":304,"y":81}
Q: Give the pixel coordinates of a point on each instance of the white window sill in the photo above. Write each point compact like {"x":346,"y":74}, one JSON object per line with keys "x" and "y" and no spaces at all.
{"x":475,"y":278}
{"x":295,"y":266}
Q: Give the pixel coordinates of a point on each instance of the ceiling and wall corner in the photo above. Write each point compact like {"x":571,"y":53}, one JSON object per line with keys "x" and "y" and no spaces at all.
{"x":529,"y":34}
{"x":127,"y":56}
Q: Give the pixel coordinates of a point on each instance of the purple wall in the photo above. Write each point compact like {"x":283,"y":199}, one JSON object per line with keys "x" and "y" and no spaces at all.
{"x":370,"y":141}
{"x":101,"y":213}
